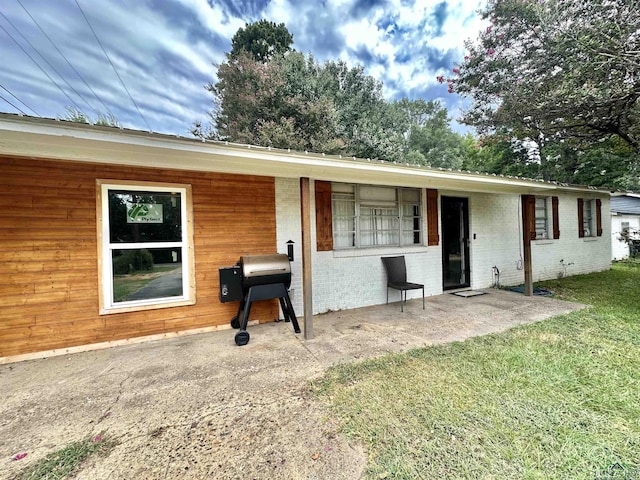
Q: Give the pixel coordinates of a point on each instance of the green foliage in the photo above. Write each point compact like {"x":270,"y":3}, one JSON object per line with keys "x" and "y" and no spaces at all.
{"x":553,"y":400}
{"x":611,"y":163}
{"x":291,"y":101}
{"x":556,"y":69}
{"x":261,"y":40}
{"x":133,"y":261}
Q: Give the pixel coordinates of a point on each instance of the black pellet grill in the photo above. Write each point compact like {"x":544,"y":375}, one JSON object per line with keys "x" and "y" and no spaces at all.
{"x":253,"y":278}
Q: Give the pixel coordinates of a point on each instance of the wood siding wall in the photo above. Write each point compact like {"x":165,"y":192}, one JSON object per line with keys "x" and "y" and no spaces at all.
{"x":48,"y":252}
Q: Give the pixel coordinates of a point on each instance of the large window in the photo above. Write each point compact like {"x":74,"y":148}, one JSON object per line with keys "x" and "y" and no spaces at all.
{"x":587,"y":219}
{"x":146,"y":243}
{"x":370,"y":216}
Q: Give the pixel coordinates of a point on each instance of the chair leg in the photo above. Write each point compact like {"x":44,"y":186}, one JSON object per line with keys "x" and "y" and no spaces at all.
{"x":387,"y":295}
{"x":402,"y":299}
{"x":423,"y":298}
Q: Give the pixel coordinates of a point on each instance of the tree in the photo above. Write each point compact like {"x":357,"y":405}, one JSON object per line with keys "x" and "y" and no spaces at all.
{"x":262,"y":40}
{"x":555,"y":69}
{"x":288,"y":100}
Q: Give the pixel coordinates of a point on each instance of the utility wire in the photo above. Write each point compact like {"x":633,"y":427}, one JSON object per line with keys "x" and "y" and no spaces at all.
{"x":17,"y":108}
{"x":112,"y":65}
{"x":37,"y":114}
{"x":46,"y":61}
{"x":67,"y":60}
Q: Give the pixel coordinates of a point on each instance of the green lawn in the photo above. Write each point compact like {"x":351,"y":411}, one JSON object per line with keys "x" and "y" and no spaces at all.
{"x":558,"y":399}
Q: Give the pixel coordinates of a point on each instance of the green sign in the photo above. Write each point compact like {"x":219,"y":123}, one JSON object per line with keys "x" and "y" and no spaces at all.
{"x":144,"y":213}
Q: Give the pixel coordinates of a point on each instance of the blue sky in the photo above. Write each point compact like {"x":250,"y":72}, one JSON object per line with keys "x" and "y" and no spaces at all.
{"x":164,"y":51}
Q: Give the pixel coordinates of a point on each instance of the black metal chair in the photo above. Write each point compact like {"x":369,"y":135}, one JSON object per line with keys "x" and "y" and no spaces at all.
{"x":396,"y":269}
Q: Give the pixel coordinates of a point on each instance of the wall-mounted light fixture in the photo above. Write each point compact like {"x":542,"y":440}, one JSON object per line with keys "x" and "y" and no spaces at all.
{"x":290,"y":250}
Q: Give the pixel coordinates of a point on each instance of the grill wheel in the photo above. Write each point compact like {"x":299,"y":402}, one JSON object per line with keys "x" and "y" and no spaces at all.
{"x":242,"y":337}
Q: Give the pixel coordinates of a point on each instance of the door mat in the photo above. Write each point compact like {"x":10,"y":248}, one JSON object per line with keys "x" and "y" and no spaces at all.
{"x":469,"y":293}
{"x":543,"y":292}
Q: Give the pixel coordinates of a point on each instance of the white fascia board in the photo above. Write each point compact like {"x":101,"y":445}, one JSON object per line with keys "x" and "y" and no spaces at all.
{"x":79,"y":142}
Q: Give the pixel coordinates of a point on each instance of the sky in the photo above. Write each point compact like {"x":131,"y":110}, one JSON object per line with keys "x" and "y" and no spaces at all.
{"x":147,"y":61}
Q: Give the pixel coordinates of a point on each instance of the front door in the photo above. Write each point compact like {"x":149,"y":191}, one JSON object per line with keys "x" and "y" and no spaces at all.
{"x":455,"y":242}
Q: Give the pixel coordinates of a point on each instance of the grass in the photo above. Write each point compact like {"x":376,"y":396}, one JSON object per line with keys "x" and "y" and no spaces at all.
{"x":558,"y":399}
{"x":125,"y":285}
{"x":64,"y":462}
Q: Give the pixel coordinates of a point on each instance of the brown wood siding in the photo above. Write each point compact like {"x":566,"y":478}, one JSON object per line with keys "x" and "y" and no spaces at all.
{"x":324,"y":225}
{"x":556,"y":218}
{"x":580,"y":218}
{"x":529,"y":217}
{"x":433,"y":237}
{"x":599,"y":217}
{"x":48,"y":252}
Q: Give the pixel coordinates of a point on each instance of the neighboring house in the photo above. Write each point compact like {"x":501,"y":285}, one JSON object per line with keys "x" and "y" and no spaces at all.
{"x":85,"y":208}
{"x":625,"y":217}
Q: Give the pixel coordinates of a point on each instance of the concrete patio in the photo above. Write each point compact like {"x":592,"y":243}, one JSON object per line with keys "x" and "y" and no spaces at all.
{"x":201,"y":407}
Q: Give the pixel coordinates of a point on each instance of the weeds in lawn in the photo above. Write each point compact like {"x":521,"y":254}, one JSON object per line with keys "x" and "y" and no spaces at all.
{"x":64,"y":462}
{"x":557,"y":399}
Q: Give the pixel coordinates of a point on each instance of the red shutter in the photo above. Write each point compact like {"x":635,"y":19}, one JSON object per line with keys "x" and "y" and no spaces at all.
{"x":599,"y":217}
{"x":433,"y":238}
{"x":556,"y":218}
{"x":580,"y":218}
{"x":324,"y":226}
{"x":529,"y":217}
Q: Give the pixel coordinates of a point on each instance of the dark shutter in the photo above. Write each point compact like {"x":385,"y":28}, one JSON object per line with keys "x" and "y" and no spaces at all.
{"x":529,"y":217}
{"x":599,"y":217}
{"x":433,"y":238}
{"x":580,"y":218}
{"x":324,"y":226}
{"x":556,"y":218}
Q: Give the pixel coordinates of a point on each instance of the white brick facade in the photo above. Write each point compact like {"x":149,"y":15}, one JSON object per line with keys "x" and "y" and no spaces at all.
{"x":352,"y":278}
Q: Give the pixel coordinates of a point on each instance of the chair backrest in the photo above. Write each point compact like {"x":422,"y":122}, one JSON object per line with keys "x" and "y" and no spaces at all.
{"x":396,"y":269}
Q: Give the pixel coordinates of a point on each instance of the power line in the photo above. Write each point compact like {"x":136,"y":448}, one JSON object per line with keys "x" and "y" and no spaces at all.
{"x":17,"y":108}
{"x":37,"y":64}
{"x":68,"y":62}
{"x":37,"y":114}
{"x":112,"y":65}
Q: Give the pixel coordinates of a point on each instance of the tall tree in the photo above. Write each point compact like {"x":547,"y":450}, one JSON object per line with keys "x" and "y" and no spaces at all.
{"x":556,"y":69}
{"x":262,"y":40}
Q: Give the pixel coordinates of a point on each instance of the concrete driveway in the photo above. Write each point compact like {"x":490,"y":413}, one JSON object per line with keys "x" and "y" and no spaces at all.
{"x":201,"y":407}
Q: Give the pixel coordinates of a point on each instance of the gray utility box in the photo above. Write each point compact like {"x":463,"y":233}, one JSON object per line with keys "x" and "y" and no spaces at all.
{"x":230,"y":284}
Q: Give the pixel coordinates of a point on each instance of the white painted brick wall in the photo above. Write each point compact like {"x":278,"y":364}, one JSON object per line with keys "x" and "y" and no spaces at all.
{"x":346,"y":279}
{"x":496,"y":220}
{"x":289,"y":227}
{"x":353,"y":278}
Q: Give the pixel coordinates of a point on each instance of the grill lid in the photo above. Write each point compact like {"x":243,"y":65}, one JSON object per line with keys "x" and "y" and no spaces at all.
{"x":265,"y":265}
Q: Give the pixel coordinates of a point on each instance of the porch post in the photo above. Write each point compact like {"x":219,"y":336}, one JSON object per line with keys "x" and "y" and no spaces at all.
{"x":305,"y":214}
{"x":528,"y":230}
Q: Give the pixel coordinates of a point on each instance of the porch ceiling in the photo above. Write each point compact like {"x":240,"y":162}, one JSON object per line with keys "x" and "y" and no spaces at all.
{"x":46,"y":138}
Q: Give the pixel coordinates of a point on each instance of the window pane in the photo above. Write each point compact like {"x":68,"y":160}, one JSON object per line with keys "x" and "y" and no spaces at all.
{"x":143,"y":274}
{"x":541,"y":217}
{"x":139,"y":217}
{"x":410,"y":196}
{"x":586,"y":219}
{"x":384,"y":194}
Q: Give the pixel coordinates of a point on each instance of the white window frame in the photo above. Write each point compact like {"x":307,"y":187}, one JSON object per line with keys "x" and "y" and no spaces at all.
{"x":540,"y":233}
{"x":105,"y":247}
{"x":398,"y":204}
